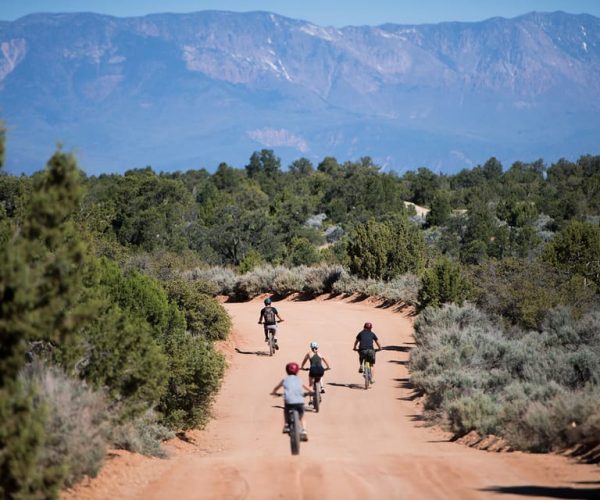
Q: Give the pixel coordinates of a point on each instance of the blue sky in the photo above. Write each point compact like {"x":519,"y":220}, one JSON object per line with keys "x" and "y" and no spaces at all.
{"x":323,"y":12}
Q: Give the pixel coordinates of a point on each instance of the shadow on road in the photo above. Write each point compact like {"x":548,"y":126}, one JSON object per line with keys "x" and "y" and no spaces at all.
{"x":404,"y":383}
{"x":254,"y":353}
{"x":348,"y":386}
{"x":401,"y":348}
{"x":546,"y":491}
{"x":398,"y":361}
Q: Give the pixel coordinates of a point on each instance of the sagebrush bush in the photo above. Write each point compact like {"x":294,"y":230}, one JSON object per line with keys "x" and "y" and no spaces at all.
{"x":287,"y":281}
{"x":144,"y":435}
{"x":258,"y":281}
{"x":478,"y":412}
{"x":321,"y":279}
{"x":76,"y":422}
{"x":536,"y":389}
{"x":222,"y":279}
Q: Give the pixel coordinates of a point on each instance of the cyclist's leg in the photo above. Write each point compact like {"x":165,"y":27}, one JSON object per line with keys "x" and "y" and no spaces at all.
{"x":372,"y":360}
{"x":286,"y":424}
{"x":301,"y":418}
{"x":266,"y":329}
{"x":361,"y":358}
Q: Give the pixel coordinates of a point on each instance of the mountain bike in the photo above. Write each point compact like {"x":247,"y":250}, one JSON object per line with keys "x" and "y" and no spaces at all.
{"x":367,"y":371}
{"x":315,"y":394}
{"x":292,"y":421}
{"x":271,"y":331}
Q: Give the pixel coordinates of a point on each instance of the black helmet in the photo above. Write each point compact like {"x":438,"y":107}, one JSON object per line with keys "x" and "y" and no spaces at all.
{"x":267,"y":301}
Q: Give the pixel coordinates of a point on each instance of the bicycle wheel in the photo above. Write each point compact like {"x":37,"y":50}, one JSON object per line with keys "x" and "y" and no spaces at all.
{"x":294,"y":432}
{"x":271,"y":343}
{"x":367,"y":374}
{"x":317,"y":396}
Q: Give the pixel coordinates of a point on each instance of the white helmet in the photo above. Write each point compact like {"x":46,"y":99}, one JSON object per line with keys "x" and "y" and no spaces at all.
{"x":314,"y":345}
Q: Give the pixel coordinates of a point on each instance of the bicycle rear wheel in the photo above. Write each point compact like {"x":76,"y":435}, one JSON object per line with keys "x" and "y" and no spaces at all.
{"x":317,"y":396}
{"x":367,"y":374}
{"x":294,"y":432}
{"x":271,"y":343}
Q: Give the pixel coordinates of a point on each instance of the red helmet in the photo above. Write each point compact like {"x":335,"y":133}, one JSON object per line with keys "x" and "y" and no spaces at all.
{"x":292,"y":368}
{"x":368,"y":325}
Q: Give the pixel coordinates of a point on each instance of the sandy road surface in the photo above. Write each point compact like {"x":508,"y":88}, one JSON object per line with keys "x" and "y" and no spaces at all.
{"x":362,"y":444}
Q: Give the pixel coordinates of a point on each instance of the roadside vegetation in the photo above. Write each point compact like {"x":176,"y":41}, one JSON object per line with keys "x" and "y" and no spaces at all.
{"x":109,"y":315}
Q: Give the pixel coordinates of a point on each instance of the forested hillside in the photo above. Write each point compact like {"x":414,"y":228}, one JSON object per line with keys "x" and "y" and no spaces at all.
{"x":107,"y":288}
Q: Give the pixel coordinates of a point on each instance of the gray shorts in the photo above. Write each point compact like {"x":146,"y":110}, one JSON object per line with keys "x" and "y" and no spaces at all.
{"x":367,"y":354}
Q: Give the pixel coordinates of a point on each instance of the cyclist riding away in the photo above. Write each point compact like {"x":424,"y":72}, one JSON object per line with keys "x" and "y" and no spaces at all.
{"x":364,"y":340}
{"x":269,"y":316}
{"x":293,"y":396}
{"x":316,"y":370}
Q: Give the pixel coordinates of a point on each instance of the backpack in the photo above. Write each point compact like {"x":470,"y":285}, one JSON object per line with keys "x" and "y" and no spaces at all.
{"x":269,"y":316}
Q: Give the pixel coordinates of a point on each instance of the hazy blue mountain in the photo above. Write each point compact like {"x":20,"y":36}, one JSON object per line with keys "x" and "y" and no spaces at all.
{"x":185,"y":91}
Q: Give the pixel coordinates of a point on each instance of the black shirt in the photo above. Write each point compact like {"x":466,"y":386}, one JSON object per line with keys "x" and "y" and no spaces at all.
{"x":365,"y":339}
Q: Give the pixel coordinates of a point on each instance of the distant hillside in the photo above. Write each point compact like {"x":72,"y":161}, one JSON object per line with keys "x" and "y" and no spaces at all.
{"x":182,"y":91}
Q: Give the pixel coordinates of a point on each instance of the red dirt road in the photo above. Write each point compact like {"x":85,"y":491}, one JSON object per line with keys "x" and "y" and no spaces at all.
{"x":362,"y":444}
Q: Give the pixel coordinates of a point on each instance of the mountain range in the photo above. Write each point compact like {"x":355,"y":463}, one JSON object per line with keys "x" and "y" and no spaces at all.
{"x":188,"y":91}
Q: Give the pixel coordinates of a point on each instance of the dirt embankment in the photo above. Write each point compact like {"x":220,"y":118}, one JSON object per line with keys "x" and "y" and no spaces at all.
{"x":362,"y":444}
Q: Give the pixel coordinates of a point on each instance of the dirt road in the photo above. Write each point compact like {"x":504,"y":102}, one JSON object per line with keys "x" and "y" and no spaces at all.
{"x":362,"y":444}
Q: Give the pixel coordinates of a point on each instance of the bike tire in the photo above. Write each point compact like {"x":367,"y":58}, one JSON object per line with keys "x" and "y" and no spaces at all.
{"x":317,"y":396}
{"x":367,"y":375}
{"x":295,"y":432}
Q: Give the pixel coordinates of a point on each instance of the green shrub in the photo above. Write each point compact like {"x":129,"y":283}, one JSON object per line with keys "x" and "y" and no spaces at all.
{"x":203,"y":314}
{"x":194,"y":376}
{"x":124,"y":359}
{"x":384,"y":250}
{"x":441,"y":284}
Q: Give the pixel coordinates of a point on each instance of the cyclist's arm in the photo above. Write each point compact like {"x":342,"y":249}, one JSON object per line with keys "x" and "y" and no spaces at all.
{"x":378,"y":346}
{"x":277,"y":387}
{"x":306,"y":358}
{"x":278,"y":317}
{"x":355,"y":344}
{"x":260,"y":317}
{"x":326,"y":363}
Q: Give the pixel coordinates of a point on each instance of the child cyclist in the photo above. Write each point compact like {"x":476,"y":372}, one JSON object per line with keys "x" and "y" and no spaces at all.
{"x":269,"y":317}
{"x":293,"y":396}
{"x":316,"y":370}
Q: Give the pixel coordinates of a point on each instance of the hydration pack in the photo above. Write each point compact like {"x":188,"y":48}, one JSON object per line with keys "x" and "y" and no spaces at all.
{"x":269,"y":316}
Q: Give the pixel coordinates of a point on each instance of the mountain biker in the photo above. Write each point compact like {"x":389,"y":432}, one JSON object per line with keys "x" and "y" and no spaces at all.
{"x":364,"y":340}
{"x":316,"y":360}
{"x":293,"y":396}
{"x":269,"y":316}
